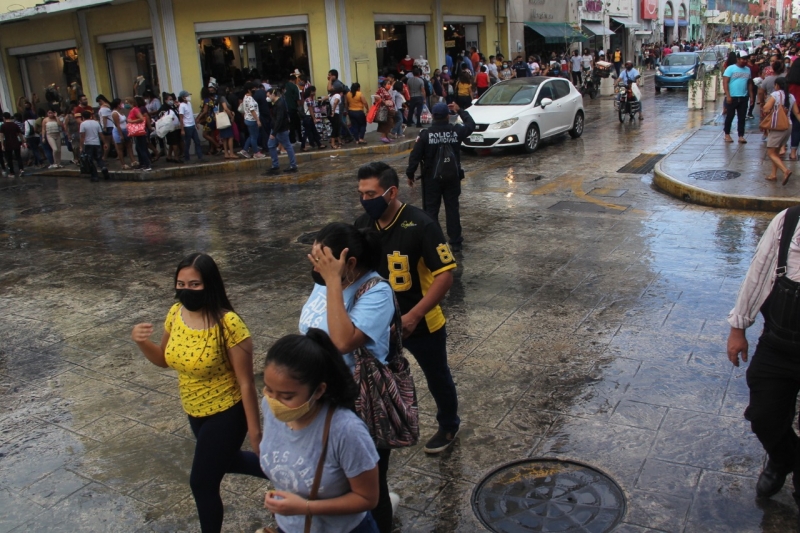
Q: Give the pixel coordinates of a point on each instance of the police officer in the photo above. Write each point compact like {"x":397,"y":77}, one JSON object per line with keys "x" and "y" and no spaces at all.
{"x":437,"y":148}
{"x":772,"y":286}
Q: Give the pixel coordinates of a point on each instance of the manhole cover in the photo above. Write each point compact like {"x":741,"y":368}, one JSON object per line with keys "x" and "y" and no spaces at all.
{"x":307,"y":238}
{"x":548,"y":495}
{"x":715,"y":175}
{"x":45,"y":209}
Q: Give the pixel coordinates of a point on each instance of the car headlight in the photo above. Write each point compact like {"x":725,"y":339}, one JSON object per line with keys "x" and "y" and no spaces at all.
{"x":503,"y":124}
{"x":658,"y":71}
{"x":690,"y":73}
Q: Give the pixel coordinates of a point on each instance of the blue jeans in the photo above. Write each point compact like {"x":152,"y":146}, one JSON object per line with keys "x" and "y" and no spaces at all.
{"x":252,"y":140}
{"x":430,"y":351}
{"x":142,"y":150}
{"x":281,"y":138}
{"x":192,"y":135}
{"x":48,"y":151}
{"x":414,"y":109}
{"x":359,"y":123}
{"x":34,"y":144}
{"x":367,"y":525}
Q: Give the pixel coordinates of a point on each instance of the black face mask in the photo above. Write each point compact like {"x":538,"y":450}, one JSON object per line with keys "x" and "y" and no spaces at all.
{"x":376,"y":207}
{"x":317,"y":277}
{"x":191,"y":300}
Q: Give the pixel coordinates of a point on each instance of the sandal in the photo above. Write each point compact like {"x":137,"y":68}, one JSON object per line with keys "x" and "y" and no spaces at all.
{"x":742,"y":140}
{"x":728,"y":139}
{"x":125,"y":167}
{"x":786,"y":177}
{"x":771,"y":178}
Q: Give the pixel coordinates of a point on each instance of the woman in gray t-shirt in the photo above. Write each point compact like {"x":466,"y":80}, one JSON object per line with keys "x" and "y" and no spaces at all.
{"x":305,"y":377}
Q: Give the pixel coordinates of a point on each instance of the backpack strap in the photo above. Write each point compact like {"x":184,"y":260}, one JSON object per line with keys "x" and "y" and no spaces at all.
{"x":789,"y":225}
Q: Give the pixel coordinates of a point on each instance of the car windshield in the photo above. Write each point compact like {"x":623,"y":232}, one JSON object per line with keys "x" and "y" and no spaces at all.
{"x":710,"y":57}
{"x":508,"y":94}
{"x":678,"y":60}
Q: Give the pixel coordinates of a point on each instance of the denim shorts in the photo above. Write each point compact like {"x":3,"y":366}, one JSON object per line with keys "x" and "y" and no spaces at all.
{"x":117,"y":139}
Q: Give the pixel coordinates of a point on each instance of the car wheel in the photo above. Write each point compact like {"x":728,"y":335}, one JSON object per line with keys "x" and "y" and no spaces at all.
{"x":577,"y":126}
{"x":531,"y":138}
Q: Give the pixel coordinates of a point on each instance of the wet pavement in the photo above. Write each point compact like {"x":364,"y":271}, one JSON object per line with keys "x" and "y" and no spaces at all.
{"x":586,"y":322}
{"x":705,"y":169}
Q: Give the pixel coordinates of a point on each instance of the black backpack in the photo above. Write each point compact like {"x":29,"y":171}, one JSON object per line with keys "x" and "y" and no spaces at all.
{"x":446,"y":166}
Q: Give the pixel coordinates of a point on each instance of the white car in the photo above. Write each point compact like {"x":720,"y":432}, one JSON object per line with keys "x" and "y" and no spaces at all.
{"x":523,"y":111}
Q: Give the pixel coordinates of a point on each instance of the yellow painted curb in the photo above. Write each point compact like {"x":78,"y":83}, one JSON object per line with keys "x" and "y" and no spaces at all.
{"x":695,"y":195}
{"x":239,"y":165}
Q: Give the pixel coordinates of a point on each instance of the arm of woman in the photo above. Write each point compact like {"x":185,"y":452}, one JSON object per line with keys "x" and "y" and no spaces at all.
{"x":364,"y":101}
{"x":241,"y":357}
{"x":153,"y":352}
{"x":767,"y":108}
{"x":363,"y":496}
{"x":115,"y":120}
{"x":227,"y":110}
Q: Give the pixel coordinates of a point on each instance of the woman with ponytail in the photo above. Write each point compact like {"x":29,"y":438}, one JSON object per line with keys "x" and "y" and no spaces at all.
{"x":210,"y":347}
{"x":343,"y":259}
{"x":305,"y":377}
{"x":777,"y":139}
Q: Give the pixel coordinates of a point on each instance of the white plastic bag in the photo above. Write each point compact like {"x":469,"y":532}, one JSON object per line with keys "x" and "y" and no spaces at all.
{"x":425,"y":116}
{"x":636,"y":91}
{"x":167,"y":124}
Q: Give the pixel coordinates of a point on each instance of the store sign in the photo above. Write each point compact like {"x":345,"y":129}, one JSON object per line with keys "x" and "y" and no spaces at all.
{"x":449,"y":44}
{"x":380,"y":44}
{"x":649,"y":9}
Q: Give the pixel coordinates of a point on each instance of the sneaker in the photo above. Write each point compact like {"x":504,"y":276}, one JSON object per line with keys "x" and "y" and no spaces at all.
{"x":148,"y":169}
{"x":750,"y":115}
{"x":273,"y":171}
{"x":21,"y":173}
{"x":244,"y":154}
{"x":5,"y":174}
{"x":395,"y":502}
{"x":290,"y":170}
{"x":404,"y":128}
{"x":51,"y":167}
{"x":440,"y":441}
{"x":259,"y":155}
{"x":455,"y":247}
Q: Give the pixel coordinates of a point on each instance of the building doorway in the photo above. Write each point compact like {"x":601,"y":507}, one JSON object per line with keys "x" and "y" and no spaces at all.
{"x":460,"y":38}
{"x":398,"y":45}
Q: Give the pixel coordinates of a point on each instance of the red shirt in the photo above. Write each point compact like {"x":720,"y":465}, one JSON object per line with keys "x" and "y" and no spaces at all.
{"x":482,"y":80}
{"x":80,"y":109}
{"x":406,"y":65}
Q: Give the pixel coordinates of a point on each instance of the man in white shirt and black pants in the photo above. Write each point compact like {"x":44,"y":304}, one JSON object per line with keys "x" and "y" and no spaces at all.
{"x":772,"y":286}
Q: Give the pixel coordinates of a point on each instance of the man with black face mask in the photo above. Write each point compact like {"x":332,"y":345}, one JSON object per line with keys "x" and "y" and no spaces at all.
{"x":418,"y":264}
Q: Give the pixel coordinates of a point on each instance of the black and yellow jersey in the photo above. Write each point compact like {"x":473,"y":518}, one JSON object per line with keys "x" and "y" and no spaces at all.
{"x":416,"y":251}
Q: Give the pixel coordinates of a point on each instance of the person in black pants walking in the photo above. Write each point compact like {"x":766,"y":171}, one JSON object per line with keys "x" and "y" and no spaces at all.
{"x":438,"y":149}
{"x":418,"y":264}
{"x":735,"y":84}
{"x":772,"y":286}
{"x":416,"y":89}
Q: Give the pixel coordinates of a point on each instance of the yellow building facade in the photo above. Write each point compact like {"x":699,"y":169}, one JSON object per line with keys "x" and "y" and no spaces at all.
{"x":119,"y":47}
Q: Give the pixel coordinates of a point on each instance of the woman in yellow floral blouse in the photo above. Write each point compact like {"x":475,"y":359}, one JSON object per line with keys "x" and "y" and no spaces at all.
{"x":209,"y":346}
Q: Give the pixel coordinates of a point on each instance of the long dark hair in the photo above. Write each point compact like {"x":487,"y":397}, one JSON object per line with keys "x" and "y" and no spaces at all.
{"x":312,"y":359}
{"x":782,"y":85}
{"x":793,"y":76}
{"x":216,"y":303}
{"x":355,"y":88}
{"x":363,"y":244}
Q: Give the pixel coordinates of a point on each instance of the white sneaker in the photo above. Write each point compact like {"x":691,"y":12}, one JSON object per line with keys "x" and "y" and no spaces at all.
{"x":51,"y":166}
{"x":259,"y":155}
{"x":395,"y":501}
{"x":244,"y":154}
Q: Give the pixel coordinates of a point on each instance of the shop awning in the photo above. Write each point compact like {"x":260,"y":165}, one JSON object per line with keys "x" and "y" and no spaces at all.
{"x":50,"y":9}
{"x":669,"y":23}
{"x":683,"y":23}
{"x":557,"y":32}
{"x":597,"y":29}
{"x":625,"y":21}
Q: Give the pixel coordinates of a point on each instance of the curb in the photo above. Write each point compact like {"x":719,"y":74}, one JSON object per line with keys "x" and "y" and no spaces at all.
{"x":224,"y":167}
{"x":695,"y":195}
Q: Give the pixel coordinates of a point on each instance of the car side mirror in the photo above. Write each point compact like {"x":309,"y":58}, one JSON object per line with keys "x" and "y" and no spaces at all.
{"x":474,"y":101}
{"x":545,"y":102}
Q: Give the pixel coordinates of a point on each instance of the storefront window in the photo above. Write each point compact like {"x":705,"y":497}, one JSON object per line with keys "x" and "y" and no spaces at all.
{"x":127,"y":64}
{"x":54,"y":77}
{"x":394,"y":42}
{"x":272,"y":55}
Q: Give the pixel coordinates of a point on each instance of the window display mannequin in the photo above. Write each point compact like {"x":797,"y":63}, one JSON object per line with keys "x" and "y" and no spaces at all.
{"x":424,"y":66}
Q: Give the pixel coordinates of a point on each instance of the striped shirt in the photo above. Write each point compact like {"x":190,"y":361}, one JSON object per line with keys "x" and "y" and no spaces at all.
{"x":761,"y":274}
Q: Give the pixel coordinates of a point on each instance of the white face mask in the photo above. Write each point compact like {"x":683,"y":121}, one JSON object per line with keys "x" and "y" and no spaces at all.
{"x":188,"y":99}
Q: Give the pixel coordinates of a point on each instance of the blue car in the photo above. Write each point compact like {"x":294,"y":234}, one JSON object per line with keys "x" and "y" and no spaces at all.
{"x":678,"y":69}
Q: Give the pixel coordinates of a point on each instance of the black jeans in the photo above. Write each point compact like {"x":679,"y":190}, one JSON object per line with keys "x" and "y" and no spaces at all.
{"x":430,"y":351}
{"x":415,"y":108}
{"x":95,"y":153}
{"x":383,"y":511}
{"x":12,"y":153}
{"x":774,"y":381}
{"x":217,"y":452}
{"x":310,"y":133}
{"x":434,"y":190}
{"x":795,"y":142}
{"x":295,"y":129}
{"x":359,"y":123}
{"x":142,"y":150}
{"x":738,"y":106}
{"x":577,"y":79}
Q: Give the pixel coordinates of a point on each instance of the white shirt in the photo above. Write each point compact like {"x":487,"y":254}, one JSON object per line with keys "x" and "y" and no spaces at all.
{"x":492,"y":69}
{"x":587,"y":61}
{"x":534,"y":68}
{"x":576,"y":63}
{"x":185,"y":109}
{"x":105,"y":115}
{"x":250,"y":106}
{"x":761,"y":275}
{"x":335,"y":101}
